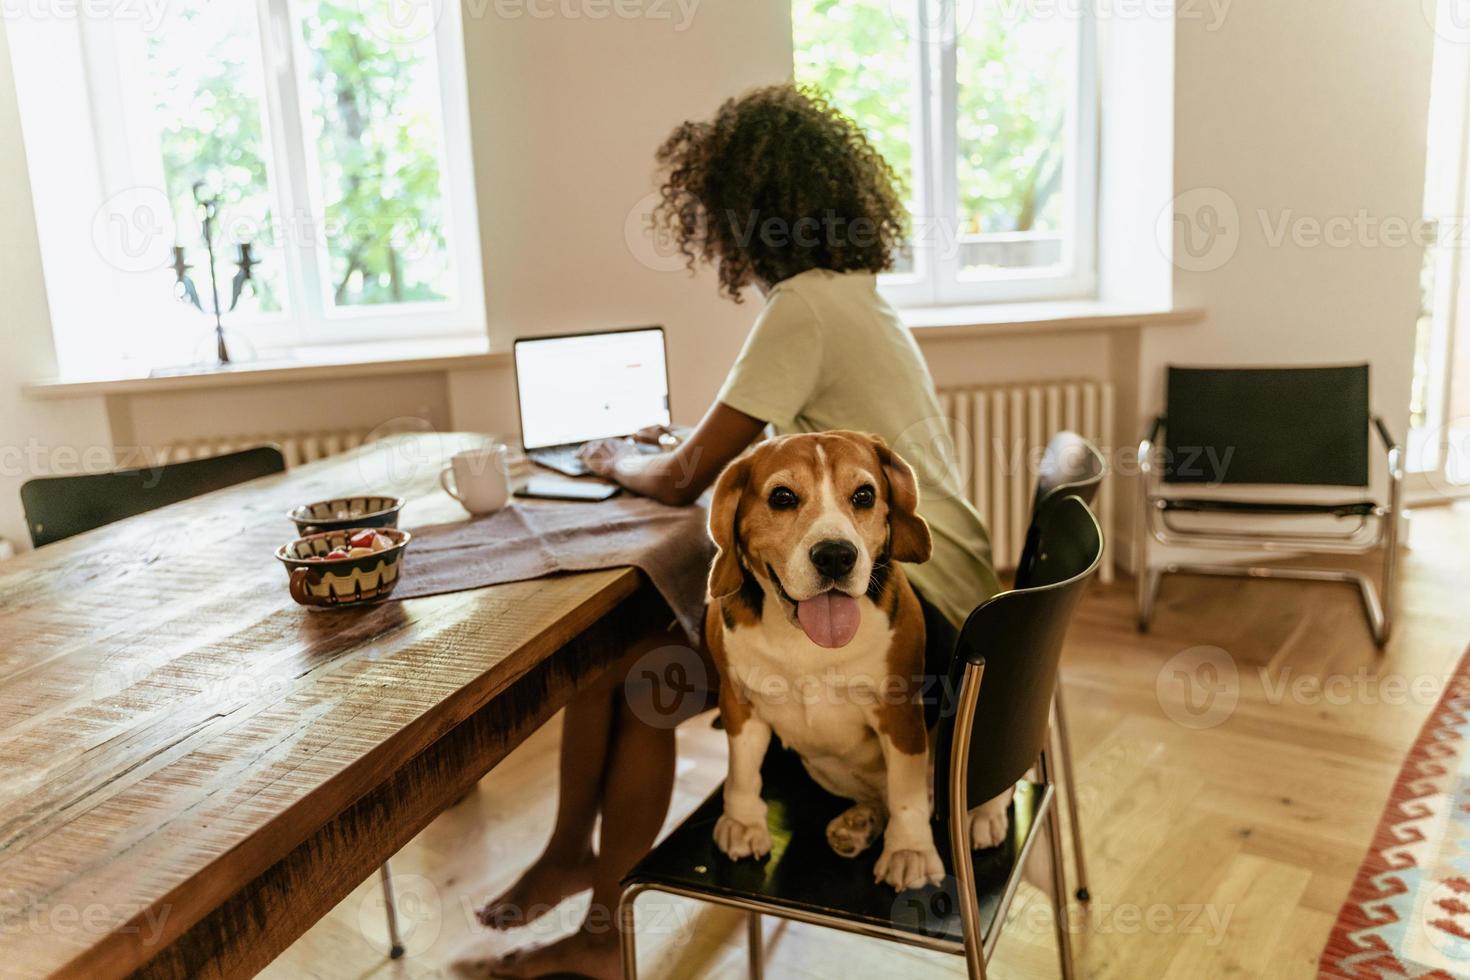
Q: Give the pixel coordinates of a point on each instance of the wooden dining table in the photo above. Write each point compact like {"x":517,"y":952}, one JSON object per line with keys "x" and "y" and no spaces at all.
{"x":194,"y":769}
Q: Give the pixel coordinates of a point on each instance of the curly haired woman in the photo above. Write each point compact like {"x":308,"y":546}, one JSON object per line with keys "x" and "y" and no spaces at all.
{"x":783,"y":193}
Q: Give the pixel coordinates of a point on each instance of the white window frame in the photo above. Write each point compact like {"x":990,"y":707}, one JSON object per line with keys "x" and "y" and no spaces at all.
{"x":128,"y":157}
{"x":1430,"y":452}
{"x":936,"y":279}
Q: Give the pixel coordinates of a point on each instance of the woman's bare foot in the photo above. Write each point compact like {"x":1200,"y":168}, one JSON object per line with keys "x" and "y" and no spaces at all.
{"x":544,"y":886}
{"x":584,"y":953}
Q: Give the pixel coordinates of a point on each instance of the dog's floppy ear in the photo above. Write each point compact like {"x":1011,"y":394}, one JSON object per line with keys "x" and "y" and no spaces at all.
{"x":725,"y":575}
{"x":908,"y":534}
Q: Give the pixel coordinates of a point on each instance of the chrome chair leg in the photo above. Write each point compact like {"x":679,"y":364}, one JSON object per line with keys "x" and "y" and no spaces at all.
{"x":1390,"y":562}
{"x":1373,"y":609}
{"x":1058,"y":870}
{"x":1147,"y":585}
{"x":756,"y":954}
{"x":959,"y":823}
{"x":1064,"y":760}
{"x":1145,"y":582}
{"x":390,"y":906}
{"x":1059,"y":894}
{"x":1391,"y":548}
{"x":1145,"y":578}
{"x":627,"y":931}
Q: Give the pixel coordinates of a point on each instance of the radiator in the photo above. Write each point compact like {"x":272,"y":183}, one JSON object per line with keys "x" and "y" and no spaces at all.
{"x":298,"y":448}
{"x":999,"y":434}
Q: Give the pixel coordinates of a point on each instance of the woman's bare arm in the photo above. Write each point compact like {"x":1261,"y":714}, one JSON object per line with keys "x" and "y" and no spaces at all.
{"x":680,"y":476}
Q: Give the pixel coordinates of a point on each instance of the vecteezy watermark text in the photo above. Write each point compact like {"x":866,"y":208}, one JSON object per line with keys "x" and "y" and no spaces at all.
{"x":1201,"y":229}
{"x":148,"y":13}
{"x":22,"y":913}
{"x":1202,"y":687}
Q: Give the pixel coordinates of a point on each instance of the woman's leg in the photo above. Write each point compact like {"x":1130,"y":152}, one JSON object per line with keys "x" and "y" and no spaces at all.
{"x":565,"y":865}
{"x":648,"y":705}
{"x":634,"y":806}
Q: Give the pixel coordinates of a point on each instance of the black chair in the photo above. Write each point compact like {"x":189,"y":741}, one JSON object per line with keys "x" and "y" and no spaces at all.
{"x":1071,"y":466}
{"x":1277,"y":426}
{"x":1013,"y":642}
{"x":58,"y":507}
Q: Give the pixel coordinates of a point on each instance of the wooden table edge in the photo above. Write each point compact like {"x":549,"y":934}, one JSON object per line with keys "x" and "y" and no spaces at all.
{"x":179,"y":911}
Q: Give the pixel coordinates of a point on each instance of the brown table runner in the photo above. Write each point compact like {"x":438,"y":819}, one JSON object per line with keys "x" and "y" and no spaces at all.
{"x":670,"y":545}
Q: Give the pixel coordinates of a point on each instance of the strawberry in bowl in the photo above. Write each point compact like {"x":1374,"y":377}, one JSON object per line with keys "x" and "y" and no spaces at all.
{"x":343,"y":568}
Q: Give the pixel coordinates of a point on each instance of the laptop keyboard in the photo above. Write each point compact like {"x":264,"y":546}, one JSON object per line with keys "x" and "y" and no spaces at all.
{"x":563,"y":459}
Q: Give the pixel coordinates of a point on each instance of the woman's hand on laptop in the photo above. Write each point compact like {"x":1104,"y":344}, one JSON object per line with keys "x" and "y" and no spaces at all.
{"x":679,"y":475}
{"x":601,"y":455}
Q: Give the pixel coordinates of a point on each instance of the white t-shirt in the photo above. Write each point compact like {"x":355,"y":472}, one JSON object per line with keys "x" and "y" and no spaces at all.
{"x":828,"y":352}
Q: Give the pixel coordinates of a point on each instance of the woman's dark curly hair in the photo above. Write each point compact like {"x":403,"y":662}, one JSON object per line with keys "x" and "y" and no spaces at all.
{"x":778,"y":182}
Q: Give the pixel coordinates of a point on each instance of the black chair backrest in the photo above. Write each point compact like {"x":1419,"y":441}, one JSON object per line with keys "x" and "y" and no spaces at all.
{"x":1267,"y":425}
{"x":1018,"y":635}
{"x":58,"y":507}
{"x":1070,"y":467}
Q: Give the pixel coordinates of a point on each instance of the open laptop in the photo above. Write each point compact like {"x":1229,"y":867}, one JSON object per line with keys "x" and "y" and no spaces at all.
{"x":575,"y":388}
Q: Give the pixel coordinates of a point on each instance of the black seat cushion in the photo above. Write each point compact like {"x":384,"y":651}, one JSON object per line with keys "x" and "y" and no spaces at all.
{"x":1354,"y":508}
{"x":803,"y":874}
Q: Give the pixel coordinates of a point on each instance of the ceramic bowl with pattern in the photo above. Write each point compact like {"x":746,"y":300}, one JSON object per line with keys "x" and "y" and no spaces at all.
{"x":316,"y":580}
{"x":341,"y":513}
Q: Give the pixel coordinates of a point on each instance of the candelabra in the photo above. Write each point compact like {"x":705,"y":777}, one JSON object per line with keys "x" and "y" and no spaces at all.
{"x":184,"y":287}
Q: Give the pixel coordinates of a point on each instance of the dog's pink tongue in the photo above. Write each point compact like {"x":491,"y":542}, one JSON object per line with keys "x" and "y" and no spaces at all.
{"x":830,"y":619}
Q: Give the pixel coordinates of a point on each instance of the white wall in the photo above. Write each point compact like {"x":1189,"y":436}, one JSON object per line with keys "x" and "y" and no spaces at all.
{"x":566,"y":116}
{"x":35,"y":439}
{"x":1303,"y":113}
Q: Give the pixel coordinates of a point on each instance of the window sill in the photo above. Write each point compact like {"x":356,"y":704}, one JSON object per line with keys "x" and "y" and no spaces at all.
{"x":1001,"y":319}
{"x":470,"y":353}
{"x":301,"y":364}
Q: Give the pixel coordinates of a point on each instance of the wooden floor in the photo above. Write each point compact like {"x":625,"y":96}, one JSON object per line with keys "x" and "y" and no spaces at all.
{"x":1221,"y":840}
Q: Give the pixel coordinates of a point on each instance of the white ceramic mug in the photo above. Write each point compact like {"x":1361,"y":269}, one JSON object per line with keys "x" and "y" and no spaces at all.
{"x":481,"y":478}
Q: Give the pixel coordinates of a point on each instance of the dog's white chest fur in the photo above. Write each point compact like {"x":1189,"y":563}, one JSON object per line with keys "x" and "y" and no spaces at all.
{"x":819,"y":701}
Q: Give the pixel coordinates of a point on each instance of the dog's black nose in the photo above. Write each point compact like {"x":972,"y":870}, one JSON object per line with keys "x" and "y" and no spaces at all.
{"x":833,"y":559}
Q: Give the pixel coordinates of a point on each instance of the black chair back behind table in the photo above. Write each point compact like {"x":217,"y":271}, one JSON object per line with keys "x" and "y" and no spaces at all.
{"x":58,"y":507}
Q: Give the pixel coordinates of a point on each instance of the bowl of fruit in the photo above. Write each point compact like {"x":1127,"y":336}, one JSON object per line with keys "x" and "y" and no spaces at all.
{"x":346,"y":513}
{"x":344,"y":568}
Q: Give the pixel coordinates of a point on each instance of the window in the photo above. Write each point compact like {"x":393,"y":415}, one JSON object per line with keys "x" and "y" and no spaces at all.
{"x":334,"y":139}
{"x":986,"y":109}
{"x":1437,"y":450}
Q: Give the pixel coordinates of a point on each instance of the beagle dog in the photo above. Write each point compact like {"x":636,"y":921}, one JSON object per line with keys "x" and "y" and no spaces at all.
{"x":819,"y":637}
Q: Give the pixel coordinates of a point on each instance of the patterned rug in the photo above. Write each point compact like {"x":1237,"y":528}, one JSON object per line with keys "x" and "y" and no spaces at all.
{"x":1408,"y":914}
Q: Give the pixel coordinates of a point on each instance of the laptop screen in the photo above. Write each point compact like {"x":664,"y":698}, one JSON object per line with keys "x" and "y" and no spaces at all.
{"x":591,"y":386}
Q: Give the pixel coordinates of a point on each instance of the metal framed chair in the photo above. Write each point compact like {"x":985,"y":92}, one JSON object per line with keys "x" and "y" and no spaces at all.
{"x":1012,"y":642}
{"x":1274,"y":426}
{"x":1070,"y":466}
{"x":58,"y":507}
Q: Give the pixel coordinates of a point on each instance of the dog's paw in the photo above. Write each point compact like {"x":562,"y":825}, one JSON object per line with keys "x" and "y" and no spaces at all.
{"x":739,"y":840}
{"x":988,"y":826}
{"x":853,"y":830}
{"x":903,"y":870}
